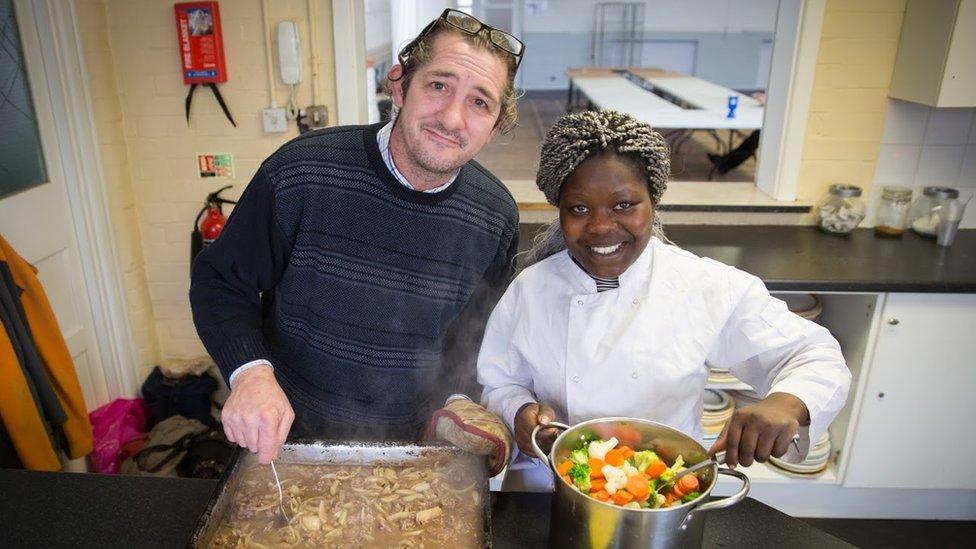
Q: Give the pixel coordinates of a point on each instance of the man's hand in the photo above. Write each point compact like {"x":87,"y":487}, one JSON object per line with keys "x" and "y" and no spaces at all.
{"x":257,"y":415}
{"x":761,"y":430}
{"x":526,"y":419}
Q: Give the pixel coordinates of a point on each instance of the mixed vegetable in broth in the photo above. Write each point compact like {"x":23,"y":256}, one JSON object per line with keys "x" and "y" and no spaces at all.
{"x":616,"y":474}
{"x":433,"y":504}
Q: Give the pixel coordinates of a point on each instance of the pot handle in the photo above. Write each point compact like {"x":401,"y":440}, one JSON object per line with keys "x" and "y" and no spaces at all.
{"x":722,"y":503}
{"x":535,"y":445}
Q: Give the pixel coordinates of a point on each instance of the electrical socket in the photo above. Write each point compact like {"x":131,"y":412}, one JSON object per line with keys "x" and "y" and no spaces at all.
{"x":274,"y":120}
{"x":316,"y":116}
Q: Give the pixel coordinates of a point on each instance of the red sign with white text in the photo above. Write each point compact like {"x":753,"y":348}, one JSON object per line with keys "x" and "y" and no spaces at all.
{"x":201,"y":43}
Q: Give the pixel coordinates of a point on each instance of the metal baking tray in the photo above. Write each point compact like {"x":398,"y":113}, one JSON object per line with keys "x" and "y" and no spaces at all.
{"x":334,"y":453}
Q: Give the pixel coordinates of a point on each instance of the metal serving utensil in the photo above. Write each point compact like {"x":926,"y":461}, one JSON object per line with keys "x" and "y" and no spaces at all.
{"x":281,"y":519}
{"x":718,"y":460}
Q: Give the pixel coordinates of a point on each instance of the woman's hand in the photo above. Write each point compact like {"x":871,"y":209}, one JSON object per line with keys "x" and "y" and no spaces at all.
{"x":526,"y":419}
{"x":764,"y":429}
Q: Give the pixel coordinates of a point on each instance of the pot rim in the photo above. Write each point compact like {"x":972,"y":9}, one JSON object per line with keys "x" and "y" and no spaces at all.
{"x":694,"y":503}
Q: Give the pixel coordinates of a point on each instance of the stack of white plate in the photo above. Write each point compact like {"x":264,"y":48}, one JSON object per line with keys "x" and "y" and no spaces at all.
{"x":807,"y":306}
{"x":816,"y":460}
{"x":720,"y":375}
{"x":718,"y":408}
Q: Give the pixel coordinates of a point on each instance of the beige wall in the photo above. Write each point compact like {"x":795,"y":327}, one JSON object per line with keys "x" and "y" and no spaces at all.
{"x":106,"y":101}
{"x":849,"y":97}
{"x":149,"y":152}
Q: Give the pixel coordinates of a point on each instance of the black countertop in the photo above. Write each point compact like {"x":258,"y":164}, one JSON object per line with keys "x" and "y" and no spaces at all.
{"x":55,"y":510}
{"x":802,"y":258}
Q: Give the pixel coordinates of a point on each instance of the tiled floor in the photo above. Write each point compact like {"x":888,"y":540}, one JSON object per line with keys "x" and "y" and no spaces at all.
{"x":515,"y":155}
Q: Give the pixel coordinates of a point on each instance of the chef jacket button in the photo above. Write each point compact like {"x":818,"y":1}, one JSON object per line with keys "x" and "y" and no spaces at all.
{"x":634,"y":375}
{"x":580,"y":302}
{"x":636,"y":301}
{"x":576,"y":379}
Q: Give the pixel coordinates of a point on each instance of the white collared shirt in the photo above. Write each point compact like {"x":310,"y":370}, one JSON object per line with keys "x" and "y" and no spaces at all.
{"x":640,"y":350}
{"x":383,"y":140}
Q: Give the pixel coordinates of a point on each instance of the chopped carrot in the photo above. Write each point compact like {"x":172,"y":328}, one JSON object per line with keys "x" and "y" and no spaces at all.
{"x":655,"y":469}
{"x":564,"y":467}
{"x":688,"y":483}
{"x":627,"y":435}
{"x":614,"y":457}
{"x":668,"y":500}
{"x":627,"y":451}
{"x":596,"y":468}
{"x":637,"y":485}
{"x":602,"y":495}
{"x":567,"y":479}
{"x":597,"y":484}
{"x":622,"y":497}
{"x":677,"y":492}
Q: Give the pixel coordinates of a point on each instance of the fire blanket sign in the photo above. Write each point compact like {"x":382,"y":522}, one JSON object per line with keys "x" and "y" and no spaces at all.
{"x":201,"y":50}
{"x":215,"y":165}
{"x":201,"y":42}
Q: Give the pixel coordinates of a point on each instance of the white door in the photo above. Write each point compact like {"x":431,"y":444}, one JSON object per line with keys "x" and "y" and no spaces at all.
{"x":37,"y":221}
{"x":915,"y":425}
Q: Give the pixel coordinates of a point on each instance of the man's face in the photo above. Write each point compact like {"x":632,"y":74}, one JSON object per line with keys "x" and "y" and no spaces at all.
{"x":451,"y":109}
{"x":606,"y":212}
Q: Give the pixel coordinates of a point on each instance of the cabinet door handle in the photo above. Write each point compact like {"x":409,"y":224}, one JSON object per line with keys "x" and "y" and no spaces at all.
{"x":893,"y":321}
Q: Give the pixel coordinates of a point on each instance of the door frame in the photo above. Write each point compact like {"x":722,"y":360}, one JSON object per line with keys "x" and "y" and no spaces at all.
{"x":62,"y":63}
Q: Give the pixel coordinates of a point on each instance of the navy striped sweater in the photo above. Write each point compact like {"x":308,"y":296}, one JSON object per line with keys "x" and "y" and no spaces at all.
{"x":368,"y":298}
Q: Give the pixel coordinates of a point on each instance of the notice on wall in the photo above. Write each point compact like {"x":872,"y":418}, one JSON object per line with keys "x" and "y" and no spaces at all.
{"x":215,"y":165}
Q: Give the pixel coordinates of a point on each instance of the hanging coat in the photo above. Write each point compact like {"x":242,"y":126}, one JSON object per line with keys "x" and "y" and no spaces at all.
{"x":42,"y":407}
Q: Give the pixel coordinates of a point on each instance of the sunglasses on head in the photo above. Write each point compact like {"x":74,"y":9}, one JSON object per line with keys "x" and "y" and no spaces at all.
{"x":468,"y":25}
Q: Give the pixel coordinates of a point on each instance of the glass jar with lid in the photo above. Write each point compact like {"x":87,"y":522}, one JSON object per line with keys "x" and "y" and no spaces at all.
{"x":891,"y":216}
{"x":925,"y":214}
{"x":841,"y":210}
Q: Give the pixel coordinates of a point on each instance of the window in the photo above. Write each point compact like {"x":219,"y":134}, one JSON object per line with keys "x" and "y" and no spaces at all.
{"x":21,"y":158}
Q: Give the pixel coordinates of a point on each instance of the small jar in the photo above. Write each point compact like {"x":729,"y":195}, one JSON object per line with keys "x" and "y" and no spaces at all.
{"x":841,"y":210}
{"x":891,"y":217}
{"x":925,"y":214}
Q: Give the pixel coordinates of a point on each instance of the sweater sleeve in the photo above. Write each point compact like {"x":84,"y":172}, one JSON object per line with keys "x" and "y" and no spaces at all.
{"x":463,"y":339}
{"x":229,"y":276}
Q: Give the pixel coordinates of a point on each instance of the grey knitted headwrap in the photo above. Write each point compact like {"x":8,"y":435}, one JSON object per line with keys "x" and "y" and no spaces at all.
{"x":577,"y":136}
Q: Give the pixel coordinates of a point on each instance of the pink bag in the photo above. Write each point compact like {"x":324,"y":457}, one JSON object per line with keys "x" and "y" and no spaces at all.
{"x":113,"y":425}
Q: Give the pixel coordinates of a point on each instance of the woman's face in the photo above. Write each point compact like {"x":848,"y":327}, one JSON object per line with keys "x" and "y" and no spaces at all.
{"x":605,"y":211}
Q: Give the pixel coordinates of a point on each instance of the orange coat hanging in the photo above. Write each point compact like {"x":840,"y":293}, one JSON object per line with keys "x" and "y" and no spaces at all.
{"x":19,"y":407}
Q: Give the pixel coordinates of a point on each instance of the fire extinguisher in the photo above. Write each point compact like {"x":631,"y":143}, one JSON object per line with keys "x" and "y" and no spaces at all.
{"x":204,"y":233}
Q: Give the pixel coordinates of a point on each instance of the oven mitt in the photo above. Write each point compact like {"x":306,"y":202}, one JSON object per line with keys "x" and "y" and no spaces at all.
{"x":473,"y":429}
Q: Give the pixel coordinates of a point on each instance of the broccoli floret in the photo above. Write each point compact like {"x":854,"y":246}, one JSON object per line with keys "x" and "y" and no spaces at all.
{"x":580,"y":475}
{"x":690,"y":497}
{"x":580,"y":455}
{"x":668,"y":474}
{"x":641,"y":460}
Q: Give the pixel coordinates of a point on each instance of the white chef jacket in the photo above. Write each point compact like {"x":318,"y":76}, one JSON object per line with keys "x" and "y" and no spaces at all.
{"x":640,"y":350}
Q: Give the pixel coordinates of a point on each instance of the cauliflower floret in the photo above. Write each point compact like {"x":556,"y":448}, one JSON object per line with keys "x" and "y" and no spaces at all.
{"x":616,"y":478}
{"x":629,"y":469}
{"x":599,"y":449}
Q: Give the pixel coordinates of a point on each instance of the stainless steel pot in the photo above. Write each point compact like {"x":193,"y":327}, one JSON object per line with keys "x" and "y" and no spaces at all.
{"x":577,"y":520}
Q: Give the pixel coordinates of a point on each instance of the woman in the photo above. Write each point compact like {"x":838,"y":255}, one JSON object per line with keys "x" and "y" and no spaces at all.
{"x":610,"y":319}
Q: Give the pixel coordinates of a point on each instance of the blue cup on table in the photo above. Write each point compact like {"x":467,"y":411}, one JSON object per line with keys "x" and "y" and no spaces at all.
{"x":733,"y":103}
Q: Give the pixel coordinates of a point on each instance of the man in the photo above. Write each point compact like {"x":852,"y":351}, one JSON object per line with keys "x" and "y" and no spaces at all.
{"x":349,"y":291}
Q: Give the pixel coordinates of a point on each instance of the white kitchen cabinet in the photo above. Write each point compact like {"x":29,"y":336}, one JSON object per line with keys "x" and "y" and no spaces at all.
{"x":935,"y":64}
{"x":914,"y":426}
